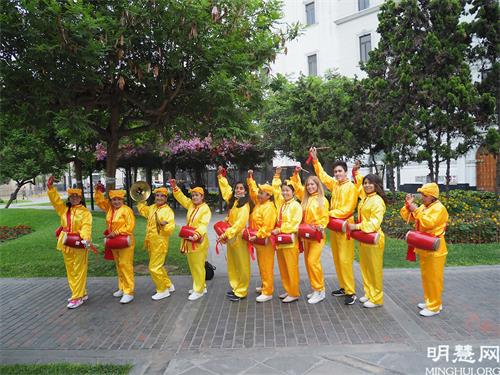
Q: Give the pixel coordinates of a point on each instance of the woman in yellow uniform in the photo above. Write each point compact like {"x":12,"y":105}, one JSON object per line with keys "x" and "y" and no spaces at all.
{"x":315,"y":209}
{"x":289,"y":218}
{"x":75,"y":259}
{"x":238,"y":257}
{"x":371,"y":212}
{"x":159,"y":227}
{"x":342,"y":205}
{"x":198,"y":217}
{"x":263,"y":220}
{"x":431,"y":217}
{"x":121,"y":221}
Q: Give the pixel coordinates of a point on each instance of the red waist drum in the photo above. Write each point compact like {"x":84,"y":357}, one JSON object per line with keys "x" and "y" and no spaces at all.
{"x":119,"y":242}
{"x":368,"y":238}
{"x":72,"y":240}
{"x":220,"y":227}
{"x":284,"y":238}
{"x":187,"y":233}
{"x":421,"y":240}
{"x":337,"y":225}
{"x":247,"y":233}
{"x":309,"y":232}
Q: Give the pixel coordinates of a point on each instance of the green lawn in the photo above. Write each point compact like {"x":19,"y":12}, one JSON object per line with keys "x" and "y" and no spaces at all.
{"x":35,"y":255}
{"x":64,"y":369}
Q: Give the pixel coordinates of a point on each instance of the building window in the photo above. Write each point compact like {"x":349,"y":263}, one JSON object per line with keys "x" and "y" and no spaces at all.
{"x":312,"y":64}
{"x":365,"y":46}
{"x":363,"y":4}
{"x":310,"y":14}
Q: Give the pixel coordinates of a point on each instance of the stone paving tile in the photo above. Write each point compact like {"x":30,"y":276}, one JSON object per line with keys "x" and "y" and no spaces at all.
{"x":469,"y":312}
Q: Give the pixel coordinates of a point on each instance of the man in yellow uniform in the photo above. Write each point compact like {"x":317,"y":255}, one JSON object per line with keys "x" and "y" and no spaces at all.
{"x":159,"y":227}
{"x":431,"y":217}
{"x":121,"y":222}
{"x":75,"y":218}
{"x":342,"y":205}
{"x":198,"y":217}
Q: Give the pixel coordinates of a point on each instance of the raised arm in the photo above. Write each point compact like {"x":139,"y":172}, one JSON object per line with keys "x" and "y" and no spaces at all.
{"x":225,"y":188}
{"x":56,"y":200}
{"x":253,"y":189}
{"x":179,"y":195}
{"x":101,"y":201}
{"x":297,"y":184}
{"x":278,"y":198}
{"x":143,"y":209}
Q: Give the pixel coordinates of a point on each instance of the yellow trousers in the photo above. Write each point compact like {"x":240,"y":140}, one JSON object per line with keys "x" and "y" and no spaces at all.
{"x":76,"y":262}
{"x":265,"y":259}
{"x":238,"y":266}
{"x":343,"y":259}
{"x":432,"y":271}
{"x":157,"y":270}
{"x":312,"y":258}
{"x":196,"y":262}
{"x":288,"y":263}
{"x":371,"y":262}
{"x":124,"y":261}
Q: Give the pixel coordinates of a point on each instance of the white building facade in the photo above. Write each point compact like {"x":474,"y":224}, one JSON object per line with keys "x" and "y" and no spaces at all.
{"x":339,"y":34}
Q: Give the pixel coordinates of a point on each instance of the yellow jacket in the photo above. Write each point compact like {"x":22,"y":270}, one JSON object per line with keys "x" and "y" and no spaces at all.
{"x":238,"y":216}
{"x":344,"y":194}
{"x":432,"y":219}
{"x":297,"y":185}
{"x":123,"y":218}
{"x":81,"y":219}
{"x":371,"y":212}
{"x":155,"y":215}
{"x":315,"y":214}
{"x":198,"y":217}
{"x":263,"y":217}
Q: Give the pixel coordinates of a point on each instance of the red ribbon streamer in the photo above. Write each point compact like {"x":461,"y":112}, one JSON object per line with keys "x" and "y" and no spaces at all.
{"x":309,"y":159}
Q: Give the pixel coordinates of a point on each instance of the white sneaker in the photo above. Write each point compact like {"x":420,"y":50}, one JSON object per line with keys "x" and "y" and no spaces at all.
{"x":258,"y":289}
{"x":283,"y":295}
{"x":426,"y":312}
{"x":171,"y":289}
{"x":263,"y":298}
{"x":194,"y":296}
{"x":370,"y":304}
{"x":316,"y":297}
{"x":118,"y":293}
{"x":158,"y":296}
{"x":422,"y":306}
{"x":310,"y":294}
{"x":74,"y":303}
{"x":363,"y":299}
{"x":192,"y":290}
{"x":84,"y":298}
{"x":289,"y":299}
{"x":127,"y":298}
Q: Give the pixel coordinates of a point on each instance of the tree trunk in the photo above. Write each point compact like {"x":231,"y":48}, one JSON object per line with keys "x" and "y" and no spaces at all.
{"x":390,"y":178}
{"x":448,"y":162}
{"x":198,"y":177}
{"x":13,"y":196}
{"x":436,"y":168}
{"x":497,"y":187}
{"x":79,"y":175}
{"x":112,"y":147}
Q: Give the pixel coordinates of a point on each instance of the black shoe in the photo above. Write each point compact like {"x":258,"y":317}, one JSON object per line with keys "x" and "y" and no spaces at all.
{"x":235,"y":298}
{"x":349,"y":299}
{"x":230,"y":294}
{"x":338,"y":293}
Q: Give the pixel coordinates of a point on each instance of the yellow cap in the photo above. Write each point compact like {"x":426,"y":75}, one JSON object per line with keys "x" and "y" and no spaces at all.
{"x":75,"y":192}
{"x":117,"y":194}
{"x":266,"y":188}
{"x":161,"y":190}
{"x":198,"y":190}
{"x":431,"y":189}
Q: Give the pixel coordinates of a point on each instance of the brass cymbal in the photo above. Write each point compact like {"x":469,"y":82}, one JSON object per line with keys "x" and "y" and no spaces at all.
{"x":140,"y":191}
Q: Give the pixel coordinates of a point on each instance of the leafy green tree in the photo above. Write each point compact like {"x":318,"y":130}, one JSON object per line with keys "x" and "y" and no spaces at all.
{"x":484,"y":30}
{"x":422,"y":51}
{"x":136,"y":66}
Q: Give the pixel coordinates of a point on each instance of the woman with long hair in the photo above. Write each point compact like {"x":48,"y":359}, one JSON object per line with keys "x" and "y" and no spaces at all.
{"x":263,"y":220}
{"x":238,"y":257}
{"x":315,"y":214}
{"x":121,"y":222}
{"x":198,"y":217}
{"x":75,"y":219}
{"x":289,"y":219}
{"x":371,"y":212}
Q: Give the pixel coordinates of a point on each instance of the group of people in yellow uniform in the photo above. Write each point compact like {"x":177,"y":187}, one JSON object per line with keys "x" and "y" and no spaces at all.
{"x":267,"y":218}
